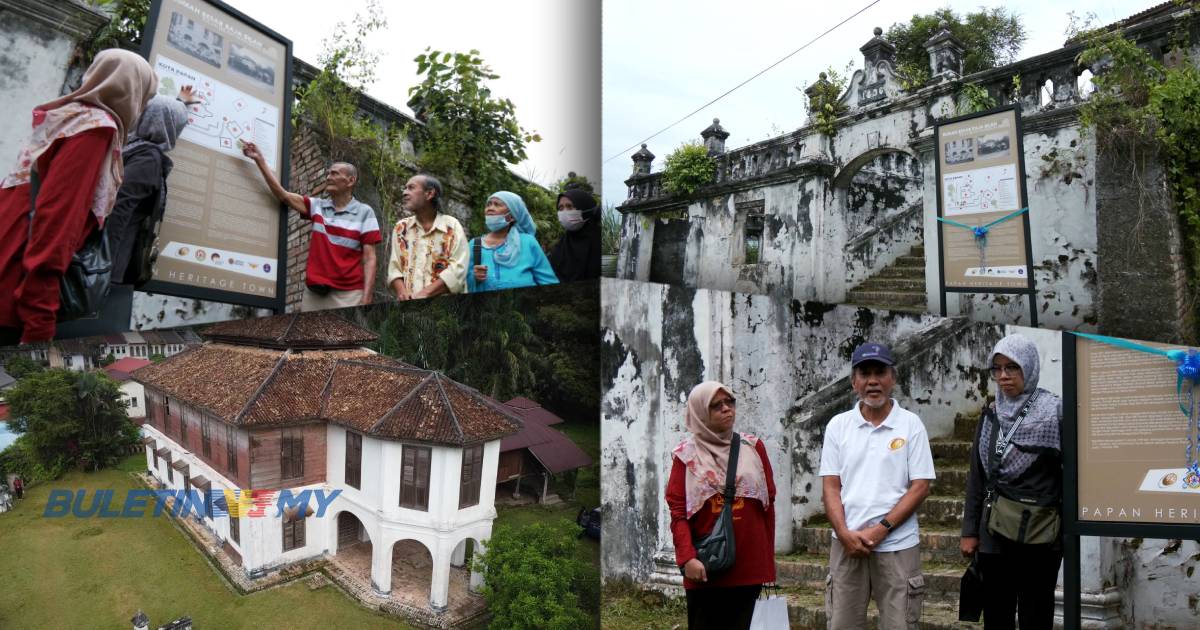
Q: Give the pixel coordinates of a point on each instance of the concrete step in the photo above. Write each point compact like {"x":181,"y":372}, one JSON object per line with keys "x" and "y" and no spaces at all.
{"x":939,"y":543}
{"x":806,"y":610}
{"x":965,"y":426}
{"x":949,"y":452}
{"x":905,"y":285}
{"x":896,"y":308}
{"x":809,"y":570}
{"x":910,"y":261}
{"x":917,"y":250}
{"x":915,"y":273}
{"x":862,"y":296}
{"x":941,"y":510}
{"x":951,"y":481}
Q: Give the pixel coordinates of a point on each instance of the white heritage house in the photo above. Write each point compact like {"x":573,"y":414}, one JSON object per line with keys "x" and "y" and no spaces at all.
{"x":294,"y":402}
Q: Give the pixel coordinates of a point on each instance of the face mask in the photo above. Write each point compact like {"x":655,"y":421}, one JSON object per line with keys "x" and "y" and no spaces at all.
{"x":495,"y":222}
{"x":571,"y":220}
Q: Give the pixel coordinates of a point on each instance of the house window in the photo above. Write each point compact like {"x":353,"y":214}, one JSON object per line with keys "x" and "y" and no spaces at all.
{"x":293,"y":531}
{"x":235,"y":529}
{"x":133,"y":401}
{"x":170,"y":474}
{"x":414,"y":478}
{"x":353,"y":460}
{"x":183,"y":425}
{"x":206,"y":437}
{"x":471,"y":477}
{"x":752,"y":234}
{"x":231,"y":450}
{"x":291,"y":454}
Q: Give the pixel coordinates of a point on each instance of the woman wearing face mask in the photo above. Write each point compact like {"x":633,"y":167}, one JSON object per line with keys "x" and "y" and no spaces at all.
{"x":74,"y":156}
{"x":695,"y":496}
{"x":1025,"y":420}
{"x":576,"y":255}
{"x":508,"y":256}
{"x":143,"y":194}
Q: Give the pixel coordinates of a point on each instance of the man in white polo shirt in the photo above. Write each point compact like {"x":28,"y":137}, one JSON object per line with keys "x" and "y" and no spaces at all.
{"x":875,"y":468}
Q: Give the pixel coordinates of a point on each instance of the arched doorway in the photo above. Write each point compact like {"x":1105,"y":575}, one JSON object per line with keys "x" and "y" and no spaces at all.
{"x":412,"y":573}
{"x":353,"y":549}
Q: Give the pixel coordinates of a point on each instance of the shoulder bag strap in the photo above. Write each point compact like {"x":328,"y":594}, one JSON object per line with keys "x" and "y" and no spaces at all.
{"x":735,"y":444}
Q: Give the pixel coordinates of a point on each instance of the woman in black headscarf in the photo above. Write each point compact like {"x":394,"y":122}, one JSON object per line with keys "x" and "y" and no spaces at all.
{"x":142,"y":196}
{"x":1018,"y":575}
{"x":576,"y":255}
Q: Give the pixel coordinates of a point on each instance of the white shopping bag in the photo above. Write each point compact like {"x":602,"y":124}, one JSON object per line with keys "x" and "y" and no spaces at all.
{"x":770,"y":613}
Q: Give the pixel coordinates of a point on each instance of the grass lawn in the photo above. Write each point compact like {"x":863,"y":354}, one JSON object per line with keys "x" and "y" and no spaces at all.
{"x":96,"y":573}
{"x":625,"y":608}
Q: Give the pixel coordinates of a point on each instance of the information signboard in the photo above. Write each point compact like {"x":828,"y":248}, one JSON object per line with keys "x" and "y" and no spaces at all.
{"x":223,"y":235}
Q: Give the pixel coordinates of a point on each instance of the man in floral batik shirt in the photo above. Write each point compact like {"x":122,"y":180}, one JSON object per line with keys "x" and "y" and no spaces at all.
{"x":429,"y":249}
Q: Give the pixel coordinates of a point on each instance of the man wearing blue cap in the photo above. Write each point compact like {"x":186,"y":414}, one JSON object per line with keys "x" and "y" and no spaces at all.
{"x":875,"y":468}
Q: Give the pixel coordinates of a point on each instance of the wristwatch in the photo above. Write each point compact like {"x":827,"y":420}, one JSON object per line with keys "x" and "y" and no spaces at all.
{"x":886,"y":524}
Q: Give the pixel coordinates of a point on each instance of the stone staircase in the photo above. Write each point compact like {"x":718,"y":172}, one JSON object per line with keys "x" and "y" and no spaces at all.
{"x":898,"y":287}
{"x":801,"y":575}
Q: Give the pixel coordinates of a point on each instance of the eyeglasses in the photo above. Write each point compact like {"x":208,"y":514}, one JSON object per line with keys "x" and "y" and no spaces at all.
{"x":1012,"y":369}
{"x":728,"y":402}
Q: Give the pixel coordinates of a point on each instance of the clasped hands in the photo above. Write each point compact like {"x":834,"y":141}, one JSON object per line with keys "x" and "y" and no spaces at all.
{"x":858,"y":543}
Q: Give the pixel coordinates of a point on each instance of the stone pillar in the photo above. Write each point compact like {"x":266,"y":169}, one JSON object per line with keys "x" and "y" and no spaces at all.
{"x":714,"y":137}
{"x":811,"y":93}
{"x":876,"y":50}
{"x":1099,"y":600}
{"x":1143,"y":291}
{"x":945,"y":54}
{"x":439,"y":591}
{"x":476,"y":577}
{"x":381,"y":568}
{"x":459,"y":557}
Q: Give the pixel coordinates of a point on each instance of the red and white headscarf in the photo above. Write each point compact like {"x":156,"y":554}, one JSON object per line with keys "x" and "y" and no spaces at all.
{"x":705,"y":454}
{"x":113,"y":93}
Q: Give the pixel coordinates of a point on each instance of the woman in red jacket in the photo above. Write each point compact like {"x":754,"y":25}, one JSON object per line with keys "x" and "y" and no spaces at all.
{"x":75,"y":154}
{"x":695,"y":495}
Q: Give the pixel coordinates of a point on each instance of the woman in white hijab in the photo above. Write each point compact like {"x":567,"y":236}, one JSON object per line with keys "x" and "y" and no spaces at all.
{"x":73,"y":157}
{"x":1025,"y":420}
{"x":695,"y":495}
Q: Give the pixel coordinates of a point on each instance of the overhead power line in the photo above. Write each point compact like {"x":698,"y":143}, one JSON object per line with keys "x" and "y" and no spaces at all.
{"x":735,"y":88}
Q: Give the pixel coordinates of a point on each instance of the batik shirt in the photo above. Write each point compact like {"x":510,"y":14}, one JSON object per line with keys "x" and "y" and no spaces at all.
{"x":420,"y":257}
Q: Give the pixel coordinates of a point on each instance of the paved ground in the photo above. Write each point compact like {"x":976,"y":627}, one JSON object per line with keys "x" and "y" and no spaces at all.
{"x":412,"y":571}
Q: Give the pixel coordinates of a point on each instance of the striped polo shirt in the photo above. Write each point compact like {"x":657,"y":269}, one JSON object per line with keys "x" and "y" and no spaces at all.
{"x":335,"y":251}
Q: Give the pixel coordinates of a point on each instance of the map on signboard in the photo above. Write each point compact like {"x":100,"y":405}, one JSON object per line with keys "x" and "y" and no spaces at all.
{"x":991,"y":189}
{"x":225,"y":117}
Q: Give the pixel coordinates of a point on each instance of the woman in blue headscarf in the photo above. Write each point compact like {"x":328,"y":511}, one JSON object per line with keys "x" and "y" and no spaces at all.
{"x":508,"y":256}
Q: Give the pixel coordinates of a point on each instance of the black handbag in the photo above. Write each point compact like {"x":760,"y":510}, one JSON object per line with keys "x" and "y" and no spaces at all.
{"x":716,"y":550}
{"x":970,"y":593}
{"x":85,"y":284}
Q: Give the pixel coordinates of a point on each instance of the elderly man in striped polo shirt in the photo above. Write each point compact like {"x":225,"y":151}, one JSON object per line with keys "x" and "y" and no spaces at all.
{"x":341,"y":253}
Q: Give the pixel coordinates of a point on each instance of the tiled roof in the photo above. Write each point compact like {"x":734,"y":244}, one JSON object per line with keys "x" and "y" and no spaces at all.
{"x":258,"y":387}
{"x":553,"y":449}
{"x":532,"y":411}
{"x":128,"y":364}
{"x":295,"y":330}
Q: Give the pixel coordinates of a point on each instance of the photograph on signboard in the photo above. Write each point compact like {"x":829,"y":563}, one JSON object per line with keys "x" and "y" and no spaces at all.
{"x":195,"y":39}
{"x":243,"y":60}
{"x":983,"y":233}
{"x":1138,"y":457}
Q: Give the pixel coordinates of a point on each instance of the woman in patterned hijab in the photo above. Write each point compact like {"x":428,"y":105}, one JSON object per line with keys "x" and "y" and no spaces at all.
{"x":1016,"y":574}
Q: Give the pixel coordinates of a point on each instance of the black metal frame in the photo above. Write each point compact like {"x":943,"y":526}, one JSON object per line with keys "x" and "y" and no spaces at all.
{"x":1073,"y":526}
{"x":279,"y":302}
{"x":1031,"y":289}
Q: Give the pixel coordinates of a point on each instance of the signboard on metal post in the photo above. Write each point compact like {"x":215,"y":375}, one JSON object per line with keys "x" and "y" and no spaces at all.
{"x":223,"y":236}
{"x":983,"y":212}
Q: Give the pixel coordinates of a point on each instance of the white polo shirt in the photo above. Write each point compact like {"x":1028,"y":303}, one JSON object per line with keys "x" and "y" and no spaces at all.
{"x":876,"y":465}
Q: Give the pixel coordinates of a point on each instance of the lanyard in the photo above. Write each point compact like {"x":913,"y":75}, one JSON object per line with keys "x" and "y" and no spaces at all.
{"x":1004,"y":442}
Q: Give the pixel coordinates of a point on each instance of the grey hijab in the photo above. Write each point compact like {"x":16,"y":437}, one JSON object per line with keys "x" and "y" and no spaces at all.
{"x":1041,"y":428}
{"x":160,"y":124}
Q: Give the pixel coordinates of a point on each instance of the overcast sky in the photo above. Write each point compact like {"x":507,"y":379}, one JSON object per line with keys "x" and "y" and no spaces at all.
{"x":664,"y":59}
{"x":545,"y":51}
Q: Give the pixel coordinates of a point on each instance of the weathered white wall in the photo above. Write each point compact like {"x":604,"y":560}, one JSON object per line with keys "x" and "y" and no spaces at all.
{"x":134,"y":392}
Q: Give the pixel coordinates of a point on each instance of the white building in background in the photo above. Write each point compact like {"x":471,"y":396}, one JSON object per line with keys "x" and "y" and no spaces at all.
{"x":295,"y":402}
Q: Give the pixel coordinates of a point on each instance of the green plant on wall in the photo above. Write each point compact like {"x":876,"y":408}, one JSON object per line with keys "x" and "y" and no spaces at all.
{"x":1142,"y":107}
{"x":688,"y":168}
{"x":610,"y":230}
{"x":824,"y":96}
{"x":974,"y":98}
{"x":127,"y":20}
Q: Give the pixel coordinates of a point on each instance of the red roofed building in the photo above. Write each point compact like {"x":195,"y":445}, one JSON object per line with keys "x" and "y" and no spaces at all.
{"x":295,"y":402}
{"x":537,"y":450}
{"x":134,"y":395}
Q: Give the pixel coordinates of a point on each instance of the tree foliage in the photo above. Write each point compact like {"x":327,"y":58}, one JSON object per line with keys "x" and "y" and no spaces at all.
{"x":991,"y":37}
{"x":70,"y":419}
{"x":19,"y":367}
{"x":824,"y":99}
{"x":533,"y":577}
{"x":123,"y":30}
{"x":688,"y":168}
